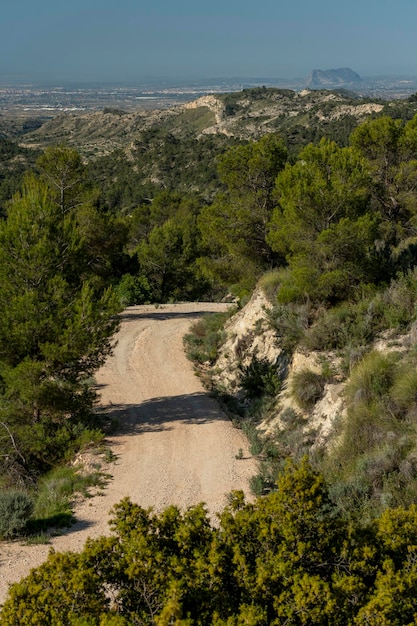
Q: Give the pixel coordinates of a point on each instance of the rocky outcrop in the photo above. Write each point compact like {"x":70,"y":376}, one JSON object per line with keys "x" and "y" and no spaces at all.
{"x":250,"y":336}
{"x":248,"y":114}
{"x":212,"y":103}
{"x":333,"y":78}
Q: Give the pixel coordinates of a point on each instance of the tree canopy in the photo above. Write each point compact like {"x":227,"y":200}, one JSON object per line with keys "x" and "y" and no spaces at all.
{"x":57,"y":323}
{"x":234,"y":226}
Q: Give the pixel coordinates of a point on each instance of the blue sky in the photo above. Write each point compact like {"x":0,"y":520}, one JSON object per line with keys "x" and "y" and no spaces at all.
{"x":128,"y":40}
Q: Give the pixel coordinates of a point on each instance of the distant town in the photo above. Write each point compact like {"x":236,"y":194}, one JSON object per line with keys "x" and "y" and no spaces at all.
{"x":46,"y":100}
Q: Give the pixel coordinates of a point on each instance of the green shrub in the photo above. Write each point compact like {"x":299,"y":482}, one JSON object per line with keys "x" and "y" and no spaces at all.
{"x":372,"y":378}
{"x":260,"y":378}
{"x":256,"y":485}
{"x":404,"y":388}
{"x":351,"y":356}
{"x":252,"y":434}
{"x":297,"y":283}
{"x":134,"y":290}
{"x":356,"y":324}
{"x":16,"y":507}
{"x":37,"y":539}
{"x":374,"y":465}
{"x":400,"y":488}
{"x":270,"y":283}
{"x":207,"y":335}
{"x":367,"y":425}
{"x":307,"y":388}
{"x":399,"y":301}
{"x":56,"y":490}
{"x":290,"y":322}
{"x":352,"y":324}
{"x":365,"y":469}
{"x":49,"y":441}
{"x":351,"y":496}
{"x":290,"y":418}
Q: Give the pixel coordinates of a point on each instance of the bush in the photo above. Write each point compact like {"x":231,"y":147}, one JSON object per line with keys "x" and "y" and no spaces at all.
{"x":56,"y":491}
{"x":290,"y":322}
{"x":353,"y":324}
{"x":356,"y":324}
{"x":372,"y":378}
{"x":307,"y":388}
{"x":252,"y":434}
{"x":374,"y":464}
{"x":404,"y":389}
{"x":16,"y":507}
{"x":133,"y":290}
{"x":256,"y":485}
{"x":260,"y":378}
{"x":206,"y":337}
{"x":270,"y":283}
{"x":296,"y":284}
{"x":399,"y":301}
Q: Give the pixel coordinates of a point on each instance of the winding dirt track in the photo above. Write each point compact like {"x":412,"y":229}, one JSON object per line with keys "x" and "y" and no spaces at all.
{"x":174,"y":445}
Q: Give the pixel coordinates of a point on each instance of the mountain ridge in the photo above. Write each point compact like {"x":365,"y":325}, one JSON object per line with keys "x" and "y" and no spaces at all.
{"x":244,"y":115}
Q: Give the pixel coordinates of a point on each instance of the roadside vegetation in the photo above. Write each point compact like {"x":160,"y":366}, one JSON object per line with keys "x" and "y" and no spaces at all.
{"x":340,"y":233}
{"x":206,"y":336}
{"x":59,"y":314}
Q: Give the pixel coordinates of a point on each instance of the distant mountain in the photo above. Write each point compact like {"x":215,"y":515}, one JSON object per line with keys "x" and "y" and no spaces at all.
{"x":333,"y":78}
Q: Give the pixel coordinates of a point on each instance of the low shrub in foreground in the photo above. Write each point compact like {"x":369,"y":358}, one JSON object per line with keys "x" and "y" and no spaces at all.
{"x":259,"y":378}
{"x":16,"y":508}
{"x":289,"y":557}
{"x":56,"y":491}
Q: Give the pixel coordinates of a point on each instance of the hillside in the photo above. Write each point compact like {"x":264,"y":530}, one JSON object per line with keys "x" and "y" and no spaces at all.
{"x":300,"y":117}
{"x":328,"y":403}
{"x":191,"y":209}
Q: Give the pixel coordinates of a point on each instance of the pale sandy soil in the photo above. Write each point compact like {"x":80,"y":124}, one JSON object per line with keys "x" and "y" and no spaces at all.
{"x":174,"y":445}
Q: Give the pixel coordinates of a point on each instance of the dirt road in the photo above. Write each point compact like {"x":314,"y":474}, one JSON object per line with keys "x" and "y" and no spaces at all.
{"x":174,"y":445}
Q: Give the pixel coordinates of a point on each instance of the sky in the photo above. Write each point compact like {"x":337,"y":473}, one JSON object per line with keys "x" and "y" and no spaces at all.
{"x":134,"y":40}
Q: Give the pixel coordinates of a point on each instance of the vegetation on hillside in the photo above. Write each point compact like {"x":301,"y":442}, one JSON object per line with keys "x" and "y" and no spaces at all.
{"x":59,"y":314}
{"x":341,"y":231}
{"x":14,"y":162}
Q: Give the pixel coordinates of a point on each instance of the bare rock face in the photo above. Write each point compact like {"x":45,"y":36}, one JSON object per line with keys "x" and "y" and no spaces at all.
{"x":212,"y":103}
{"x":248,"y":336}
{"x":333,"y":78}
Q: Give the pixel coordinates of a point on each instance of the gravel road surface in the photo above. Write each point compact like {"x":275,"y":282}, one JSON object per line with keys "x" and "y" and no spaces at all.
{"x":174,"y":444}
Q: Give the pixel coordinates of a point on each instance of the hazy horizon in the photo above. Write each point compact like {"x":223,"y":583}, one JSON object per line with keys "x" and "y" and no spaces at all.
{"x":89,"y":41}
{"x":174,"y":82}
